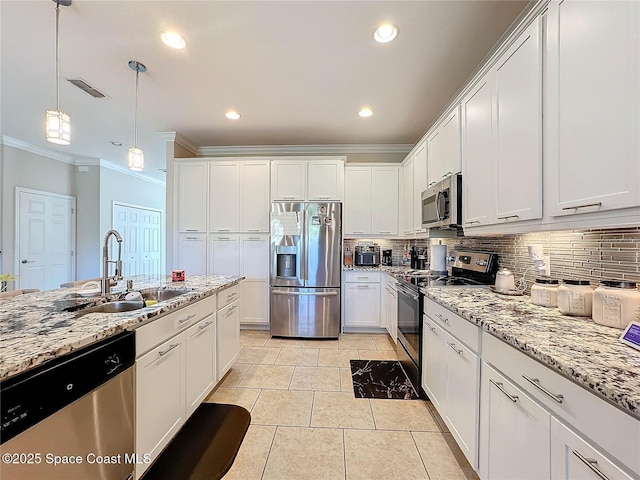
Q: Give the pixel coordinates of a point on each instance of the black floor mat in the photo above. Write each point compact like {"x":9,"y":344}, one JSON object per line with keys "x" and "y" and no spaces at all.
{"x":205,"y":447}
{"x":381,"y":379}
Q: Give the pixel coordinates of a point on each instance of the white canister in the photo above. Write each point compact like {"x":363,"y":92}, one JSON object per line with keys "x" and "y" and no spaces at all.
{"x":545,"y":292}
{"x":575,"y":297}
{"x":615,"y":303}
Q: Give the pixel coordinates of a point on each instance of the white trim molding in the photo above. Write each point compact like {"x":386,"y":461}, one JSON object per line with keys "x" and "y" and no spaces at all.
{"x":303,"y":149}
{"x":45,"y":152}
{"x":180,"y":140}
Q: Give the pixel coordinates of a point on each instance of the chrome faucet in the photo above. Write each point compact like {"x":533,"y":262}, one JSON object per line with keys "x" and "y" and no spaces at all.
{"x":108,"y":282}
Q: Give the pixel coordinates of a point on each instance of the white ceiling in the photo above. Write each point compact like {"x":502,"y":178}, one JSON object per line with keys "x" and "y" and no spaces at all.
{"x":297,"y":72}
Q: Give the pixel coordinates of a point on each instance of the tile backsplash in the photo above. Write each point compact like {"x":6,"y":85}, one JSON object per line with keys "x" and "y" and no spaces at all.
{"x":586,"y":254}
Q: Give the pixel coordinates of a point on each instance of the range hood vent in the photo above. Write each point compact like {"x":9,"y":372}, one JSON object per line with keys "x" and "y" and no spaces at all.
{"x":85,"y":87}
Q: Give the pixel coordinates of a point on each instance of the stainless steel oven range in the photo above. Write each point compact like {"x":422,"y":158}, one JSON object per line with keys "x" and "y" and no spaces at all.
{"x":467,"y":268}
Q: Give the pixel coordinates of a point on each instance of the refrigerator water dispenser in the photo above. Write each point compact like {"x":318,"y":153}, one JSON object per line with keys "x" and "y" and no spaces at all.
{"x":286,"y":262}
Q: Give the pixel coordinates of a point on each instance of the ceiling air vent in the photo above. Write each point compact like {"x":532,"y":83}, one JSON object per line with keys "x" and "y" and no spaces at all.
{"x":85,"y":87}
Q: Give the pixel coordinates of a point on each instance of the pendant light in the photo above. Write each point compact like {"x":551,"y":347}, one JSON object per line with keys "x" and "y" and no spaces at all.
{"x":58,"y":123}
{"x":135,"y":159}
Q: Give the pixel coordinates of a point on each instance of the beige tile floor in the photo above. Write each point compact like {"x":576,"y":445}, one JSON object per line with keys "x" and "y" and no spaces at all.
{"x":306,"y":423}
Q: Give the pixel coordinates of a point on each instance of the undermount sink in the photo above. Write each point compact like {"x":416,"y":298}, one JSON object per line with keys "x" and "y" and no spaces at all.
{"x":113,"y":307}
{"x":162,"y":295}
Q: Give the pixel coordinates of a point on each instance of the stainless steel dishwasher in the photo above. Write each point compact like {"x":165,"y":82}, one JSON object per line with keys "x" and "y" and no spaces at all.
{"x":71,"y":418}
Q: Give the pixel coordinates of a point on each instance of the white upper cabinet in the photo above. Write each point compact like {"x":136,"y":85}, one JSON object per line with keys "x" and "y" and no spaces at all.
{"x":592,"y":106}
{"x":357,"y":204}
{"x":192,"y":196}
{"x":254,"y":196}
{"x":298,"y":179}
{"x":288,"y":180}
{"x":224,"y":196}
{"x":477,"y":154}
{"x":518,"y":128}
{"x":419,"y":184}
{"x":371,"y":200}
{"x":407,"y":197}
{"x":385,"y":196}
{"x":444,"y":148}
{"x":325,"y":180}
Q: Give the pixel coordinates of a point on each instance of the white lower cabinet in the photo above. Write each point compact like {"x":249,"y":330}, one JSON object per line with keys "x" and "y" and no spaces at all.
{"x":451,"y":374}
{"x":515,"y":431}
{"x":361,"y":299}
{"x":160,"y":398}
{"x":434,"y":366}
{"x":228,"y":336}
{"x":200,"y":362}
{"x":572,"y":458}
{"x":180,"y":358}
{"x":392,"y":308}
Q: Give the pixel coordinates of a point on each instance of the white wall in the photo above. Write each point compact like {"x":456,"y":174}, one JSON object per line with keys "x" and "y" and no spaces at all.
{"x":21,"y":168}
{"x":95,"y":187}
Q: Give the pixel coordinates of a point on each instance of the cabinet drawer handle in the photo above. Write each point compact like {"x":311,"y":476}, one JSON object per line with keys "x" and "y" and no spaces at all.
{"x":324,"y":198}
{"x":513,"y":398}
{"x":448,"y":173}
{"x":443,"y":318}
{"x":508,"y":217}
{"x":230,"y":310}
{"x":431,"y":184}
{"x":453,"y":346}
{"x":223,"y":238}
{"x":430,"y":327}
{"x":187,"y":318}
{"x":591,"y":463}
{"x":536,"y":383}
{"x":362,"y":286}
{"x":202,"y":327}
{"x":598,"y":204}
{"x":385,"y":231}
{"x":362,"y":278}
{"x":289,"y":198}
{"x":253,"y":230}
{"x":253,"y":239}
{"x":231,"y":295}
{"x":223,"y":230}
{"x":358,"y":232}
{"x":191,"y":229}
{"x":472,"y":222}
{"x":171,"y":347}
{"x":191,"y":238}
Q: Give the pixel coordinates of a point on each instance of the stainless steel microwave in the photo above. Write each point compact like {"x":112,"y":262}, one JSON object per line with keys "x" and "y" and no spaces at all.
{"x":442,"y":204}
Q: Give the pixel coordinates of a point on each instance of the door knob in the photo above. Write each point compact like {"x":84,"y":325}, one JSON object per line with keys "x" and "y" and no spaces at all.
{"x":28,"y":261}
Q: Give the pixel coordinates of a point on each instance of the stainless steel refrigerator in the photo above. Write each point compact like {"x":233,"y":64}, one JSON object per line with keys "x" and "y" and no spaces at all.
{"x":306,"y":268}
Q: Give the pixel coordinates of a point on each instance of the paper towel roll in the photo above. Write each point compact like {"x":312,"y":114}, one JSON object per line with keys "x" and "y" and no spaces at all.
{"x":438,"y":261}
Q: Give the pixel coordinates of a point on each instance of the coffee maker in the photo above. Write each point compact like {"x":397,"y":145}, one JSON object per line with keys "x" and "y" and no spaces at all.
{"x":418,"y":259}
{"x":386,"y":257}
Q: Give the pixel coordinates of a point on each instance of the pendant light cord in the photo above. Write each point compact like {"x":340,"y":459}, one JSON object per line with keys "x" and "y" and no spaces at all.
{"x":135,"y":126}
{"x":57,"y":58}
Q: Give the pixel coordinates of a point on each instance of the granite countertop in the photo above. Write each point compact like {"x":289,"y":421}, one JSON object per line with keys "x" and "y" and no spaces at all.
{"x":34,"y":327}
{"x":581,"y":350}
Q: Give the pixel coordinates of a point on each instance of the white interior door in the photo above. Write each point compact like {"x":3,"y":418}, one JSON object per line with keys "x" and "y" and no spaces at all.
{"x":46,"y":239}
{"x":141,"y":239}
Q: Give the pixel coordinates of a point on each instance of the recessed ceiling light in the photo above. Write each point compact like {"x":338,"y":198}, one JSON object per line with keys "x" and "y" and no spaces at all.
{"x":365,"y":112}
{"x":173,"y":39}
{"x":231,"y":115}
{"x":385,"y":33}
{"x":117,"y":144}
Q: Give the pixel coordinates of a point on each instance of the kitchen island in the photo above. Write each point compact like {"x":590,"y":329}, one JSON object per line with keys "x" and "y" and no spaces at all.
{"x":38,"y":327}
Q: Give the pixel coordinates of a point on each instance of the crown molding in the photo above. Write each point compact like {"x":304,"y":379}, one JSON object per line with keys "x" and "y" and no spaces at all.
{"x":180,"y":140}
{"x":121,"y":169}
{"x":45,"y":152}
{"x":61,"y":157}
{"x":303,"y":149}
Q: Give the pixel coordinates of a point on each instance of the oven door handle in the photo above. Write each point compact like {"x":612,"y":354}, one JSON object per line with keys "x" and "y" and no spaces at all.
{"x":407,"y":293}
